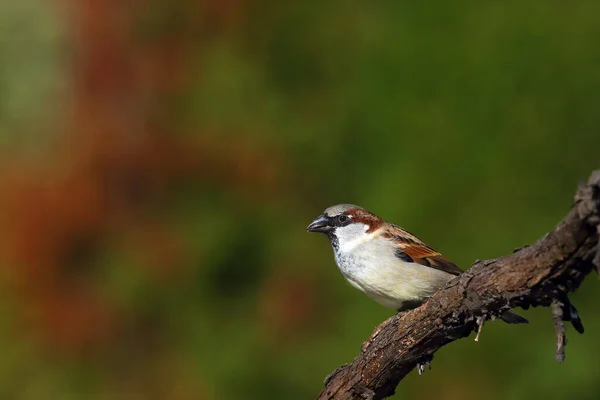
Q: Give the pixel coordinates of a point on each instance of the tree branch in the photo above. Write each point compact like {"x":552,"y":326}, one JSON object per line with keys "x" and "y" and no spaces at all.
{"x":538,"y":275}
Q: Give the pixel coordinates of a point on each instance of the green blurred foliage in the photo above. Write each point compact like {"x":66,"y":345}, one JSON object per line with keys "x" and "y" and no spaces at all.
{"x":160,"y":162}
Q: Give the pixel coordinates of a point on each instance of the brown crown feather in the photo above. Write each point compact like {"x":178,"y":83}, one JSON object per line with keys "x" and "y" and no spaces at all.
{"x":365,"y":217}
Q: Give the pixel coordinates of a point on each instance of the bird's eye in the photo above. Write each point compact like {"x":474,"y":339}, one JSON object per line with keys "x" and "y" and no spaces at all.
{"x":342,"y":218}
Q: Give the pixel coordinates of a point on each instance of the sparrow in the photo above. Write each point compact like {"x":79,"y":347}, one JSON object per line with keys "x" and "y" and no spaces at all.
{"x":384,"y":261}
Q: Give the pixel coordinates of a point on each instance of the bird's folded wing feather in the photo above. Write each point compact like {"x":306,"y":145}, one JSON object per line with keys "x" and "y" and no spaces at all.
{"x":411,"y":246}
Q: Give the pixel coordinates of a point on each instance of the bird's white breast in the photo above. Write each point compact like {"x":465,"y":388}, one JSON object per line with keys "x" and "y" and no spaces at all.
{"x":368,"y":262}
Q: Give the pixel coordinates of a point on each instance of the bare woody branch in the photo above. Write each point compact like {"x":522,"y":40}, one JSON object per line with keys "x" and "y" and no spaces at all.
{"x":537,"y":275}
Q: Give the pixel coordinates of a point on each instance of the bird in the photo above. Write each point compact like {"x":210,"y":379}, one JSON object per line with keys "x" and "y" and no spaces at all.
{"x":384,"y":261}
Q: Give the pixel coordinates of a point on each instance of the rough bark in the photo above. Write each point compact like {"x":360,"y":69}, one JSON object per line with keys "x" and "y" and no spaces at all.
{"x":537,"y":275}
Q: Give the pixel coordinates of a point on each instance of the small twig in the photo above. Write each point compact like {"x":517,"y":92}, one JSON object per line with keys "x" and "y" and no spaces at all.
{"x":559,"y":326}
{"x":480,"y":322}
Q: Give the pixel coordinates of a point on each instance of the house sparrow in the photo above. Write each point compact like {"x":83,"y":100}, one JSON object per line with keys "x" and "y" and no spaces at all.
{"x":384,"y":261}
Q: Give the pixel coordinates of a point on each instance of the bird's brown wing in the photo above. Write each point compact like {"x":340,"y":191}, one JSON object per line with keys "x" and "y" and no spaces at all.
{"x":410,"y":248}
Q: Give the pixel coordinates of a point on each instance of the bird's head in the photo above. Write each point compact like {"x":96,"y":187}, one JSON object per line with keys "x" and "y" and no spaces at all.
{"x":345,"y":221}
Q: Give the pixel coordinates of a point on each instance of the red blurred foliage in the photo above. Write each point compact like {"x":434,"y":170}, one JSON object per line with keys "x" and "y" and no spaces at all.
{"x":288,"y":305}
{"x":119,"y":159}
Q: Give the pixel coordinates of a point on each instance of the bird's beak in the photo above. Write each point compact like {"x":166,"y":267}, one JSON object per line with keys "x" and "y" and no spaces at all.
{"x":321,"y":224}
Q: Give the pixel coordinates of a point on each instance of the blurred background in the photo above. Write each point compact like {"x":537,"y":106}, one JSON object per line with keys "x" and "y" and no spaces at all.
{"x":159,"y":162}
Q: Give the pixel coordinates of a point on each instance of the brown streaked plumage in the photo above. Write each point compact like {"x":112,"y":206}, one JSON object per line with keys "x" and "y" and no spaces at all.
{"x":419,"y":251}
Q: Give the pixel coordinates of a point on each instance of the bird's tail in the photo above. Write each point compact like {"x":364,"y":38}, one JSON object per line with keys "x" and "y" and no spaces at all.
{"x":513,"y":318}
{"x":570,"y":313}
